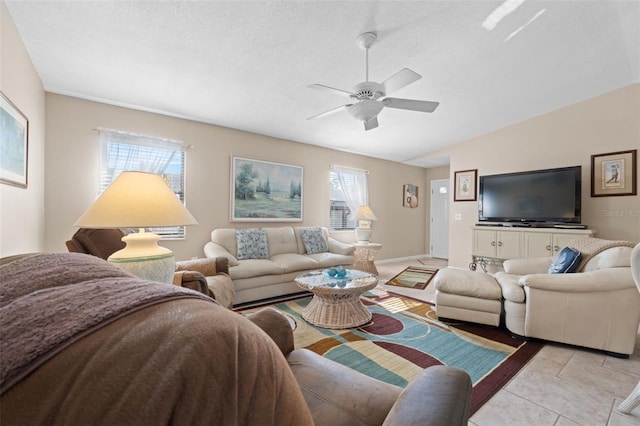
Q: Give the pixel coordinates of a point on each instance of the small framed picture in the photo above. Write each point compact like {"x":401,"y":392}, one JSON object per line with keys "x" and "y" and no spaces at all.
{"x":14,"y":144}
{"x":465,"y":185}
{"x":614,"y":174}
{"x":410,"y":196}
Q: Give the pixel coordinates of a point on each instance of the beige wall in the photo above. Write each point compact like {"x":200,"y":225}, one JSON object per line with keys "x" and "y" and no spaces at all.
{"x":565,"y":137}
{"x":73,"y":164}
{"x":22,"y":210}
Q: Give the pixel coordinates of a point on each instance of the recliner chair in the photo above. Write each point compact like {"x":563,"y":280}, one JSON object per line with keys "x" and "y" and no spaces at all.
{"x":208,"y":276}
{"x":597,"y":307}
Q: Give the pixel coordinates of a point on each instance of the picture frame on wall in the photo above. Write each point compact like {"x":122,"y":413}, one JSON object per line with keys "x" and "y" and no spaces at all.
{"x":614,"y":174}
{"x":465,"y":185}
{"x":409,"y":196}
{"x":265,"y":191}
{"x":14,"y":144}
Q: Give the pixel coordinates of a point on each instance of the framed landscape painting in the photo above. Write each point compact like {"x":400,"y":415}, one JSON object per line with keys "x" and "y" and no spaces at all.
{"x":14,"y":143}
{"x":265,"y":191}
{"x":614,"y":173}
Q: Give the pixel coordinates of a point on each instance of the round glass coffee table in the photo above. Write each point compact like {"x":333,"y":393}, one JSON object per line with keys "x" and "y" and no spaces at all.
{"x":336,"y":301}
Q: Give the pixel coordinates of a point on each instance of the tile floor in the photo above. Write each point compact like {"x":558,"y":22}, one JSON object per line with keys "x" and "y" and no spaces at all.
{"x":561,"y":385}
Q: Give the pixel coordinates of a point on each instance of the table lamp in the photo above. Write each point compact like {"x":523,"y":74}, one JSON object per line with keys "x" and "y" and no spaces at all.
{"x":139,"y":200}
{"x":364,"y":215}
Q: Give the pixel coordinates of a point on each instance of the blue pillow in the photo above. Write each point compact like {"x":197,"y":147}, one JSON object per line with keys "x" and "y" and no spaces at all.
{"x":565,"y":262}
{"x":252,"y":244}
{"x":314,"y":241}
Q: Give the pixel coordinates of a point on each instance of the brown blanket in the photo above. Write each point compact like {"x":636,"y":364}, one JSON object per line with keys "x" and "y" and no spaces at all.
{"x":38,"y":292}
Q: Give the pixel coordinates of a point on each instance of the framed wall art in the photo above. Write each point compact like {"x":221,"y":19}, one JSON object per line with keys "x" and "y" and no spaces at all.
{"x":465,"y":185}
{"x":265,"y":191}
{"x":409,"y":196}
{"x":614,"y":174}
{"x":14,"y":144}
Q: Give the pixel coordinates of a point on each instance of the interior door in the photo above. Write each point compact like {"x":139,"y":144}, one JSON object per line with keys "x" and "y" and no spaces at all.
{"x":439,"y":219}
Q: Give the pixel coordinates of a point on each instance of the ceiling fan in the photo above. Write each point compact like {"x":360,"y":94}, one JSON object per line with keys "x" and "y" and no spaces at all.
{"x":369,"y":98}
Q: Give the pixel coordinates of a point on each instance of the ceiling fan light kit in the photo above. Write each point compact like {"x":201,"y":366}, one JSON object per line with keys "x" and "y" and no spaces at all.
{"x":368,"y":98}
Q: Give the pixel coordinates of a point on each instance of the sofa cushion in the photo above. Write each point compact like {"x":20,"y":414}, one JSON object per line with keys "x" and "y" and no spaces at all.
{"x":615,"y":257}
{"x":255,"y":268}
{"x":565,"y":262}
{"x":281,"y":239}
{"x":292,"y":262}
{"x":252,"y":244}
{"x":314,"y":240}
{"x":331,"y":259}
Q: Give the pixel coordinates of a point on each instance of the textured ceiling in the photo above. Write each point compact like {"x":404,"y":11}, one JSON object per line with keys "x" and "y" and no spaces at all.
{"x":246,"y":64}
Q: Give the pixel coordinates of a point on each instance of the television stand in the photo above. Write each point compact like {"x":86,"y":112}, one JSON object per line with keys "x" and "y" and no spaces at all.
{"x":499,"y":243}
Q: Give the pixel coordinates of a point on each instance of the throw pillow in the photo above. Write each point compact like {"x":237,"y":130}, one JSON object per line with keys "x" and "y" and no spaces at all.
{"x":252,"y":244}
{"x":565,"y":262}
{"x":314,"y":241}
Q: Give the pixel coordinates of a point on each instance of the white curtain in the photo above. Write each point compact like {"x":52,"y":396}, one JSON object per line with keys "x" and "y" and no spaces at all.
{"x":122,"y":151}
{"x":352,"y":183}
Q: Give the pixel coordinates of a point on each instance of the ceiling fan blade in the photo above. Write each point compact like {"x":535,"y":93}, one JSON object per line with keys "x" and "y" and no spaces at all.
{"x":331,"y":111}
{"x":402,"y":78}
{"x":410,"y":104}
{"x":372,"y":123}
{"x":324,"y":88}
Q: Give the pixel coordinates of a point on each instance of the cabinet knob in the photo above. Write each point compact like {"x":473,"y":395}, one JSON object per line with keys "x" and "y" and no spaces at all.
{"x":548,"y":248}
{"x":556,"y":248}
{"x":493,"y":243}
{"x":499,"y":243}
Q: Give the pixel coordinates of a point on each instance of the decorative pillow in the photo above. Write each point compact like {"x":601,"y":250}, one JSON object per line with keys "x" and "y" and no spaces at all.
{"x":565,"y":262}
{"x":252,"y":244}
{"x":314,"y":241}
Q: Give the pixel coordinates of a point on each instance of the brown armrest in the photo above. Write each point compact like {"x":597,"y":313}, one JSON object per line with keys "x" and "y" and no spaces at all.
{"x":206,"y":266}
{"x":277,"y":326}
{"x":193,"y":280}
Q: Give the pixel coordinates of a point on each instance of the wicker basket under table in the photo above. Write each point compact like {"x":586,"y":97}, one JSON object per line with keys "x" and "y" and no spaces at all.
{"x":336,"y":301}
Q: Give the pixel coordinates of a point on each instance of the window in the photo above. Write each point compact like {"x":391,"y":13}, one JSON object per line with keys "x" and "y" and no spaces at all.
{"x":121,"y":151}
{"x":348,"y":191}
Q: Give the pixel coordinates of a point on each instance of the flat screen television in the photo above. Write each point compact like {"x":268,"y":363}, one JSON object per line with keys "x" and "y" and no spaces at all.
{"x":537,"y":196}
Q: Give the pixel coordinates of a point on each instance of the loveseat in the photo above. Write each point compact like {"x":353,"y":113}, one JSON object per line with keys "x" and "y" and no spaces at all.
{"x":264,"y":262}
{"x":84,"y":342}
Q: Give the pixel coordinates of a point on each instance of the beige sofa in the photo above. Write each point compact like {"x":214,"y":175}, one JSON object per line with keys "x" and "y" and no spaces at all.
{"x":597,"y":307}
{"x":256,"y":279}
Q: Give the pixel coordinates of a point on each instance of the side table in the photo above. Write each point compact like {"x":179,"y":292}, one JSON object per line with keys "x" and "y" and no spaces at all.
{"x":365,"y":255}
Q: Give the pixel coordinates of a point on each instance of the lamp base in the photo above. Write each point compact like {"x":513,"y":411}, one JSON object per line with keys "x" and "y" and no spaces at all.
{"x":363,"y":235}
{"x":144,"y":258}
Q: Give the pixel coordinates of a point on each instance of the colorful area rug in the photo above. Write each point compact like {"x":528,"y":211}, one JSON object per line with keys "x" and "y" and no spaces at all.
{"x":413,"y":277}
{"x":405,"y":337}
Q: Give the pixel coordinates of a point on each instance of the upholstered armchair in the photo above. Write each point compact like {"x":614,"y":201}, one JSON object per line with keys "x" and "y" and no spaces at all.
{"x":597,"y":307}
{"x":208,"y":276}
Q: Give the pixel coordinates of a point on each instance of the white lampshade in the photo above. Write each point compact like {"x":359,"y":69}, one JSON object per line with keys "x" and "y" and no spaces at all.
{"x":364,"y":215}
{"x":136,"y":200}
{"x":139,"y":200}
